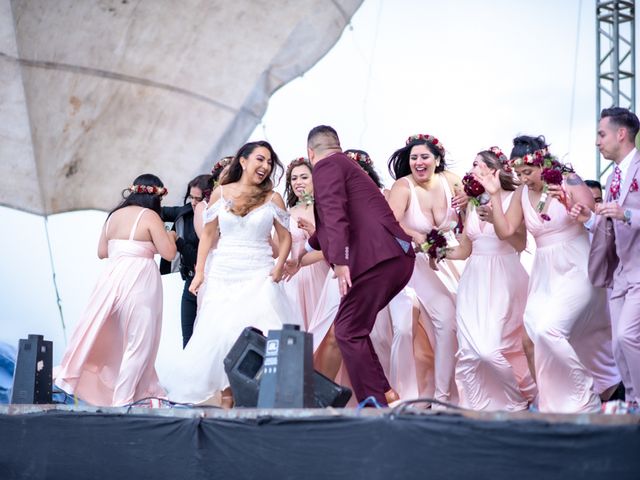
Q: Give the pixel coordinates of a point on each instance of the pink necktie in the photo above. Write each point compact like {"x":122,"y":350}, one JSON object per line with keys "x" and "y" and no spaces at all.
{"x":614,"y":188}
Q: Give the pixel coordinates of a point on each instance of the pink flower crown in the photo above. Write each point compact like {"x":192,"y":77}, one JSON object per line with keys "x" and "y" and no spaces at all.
{"x":360,"y":157}
{"x":535,"y":158}
{"x":427,"y":138}
{"x":502,"y":158}
{"x":151,"y":190}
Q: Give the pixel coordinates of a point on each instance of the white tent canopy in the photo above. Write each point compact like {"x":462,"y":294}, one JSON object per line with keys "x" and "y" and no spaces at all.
{"x":95,"y":93}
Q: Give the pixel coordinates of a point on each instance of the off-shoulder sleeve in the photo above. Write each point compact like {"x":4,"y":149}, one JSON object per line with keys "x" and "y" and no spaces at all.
{"x":211,"y":212}
{"x":282,"y":216}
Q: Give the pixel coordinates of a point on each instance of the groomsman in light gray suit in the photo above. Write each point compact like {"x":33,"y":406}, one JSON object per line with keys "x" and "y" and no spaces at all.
{"x":617,"y":131}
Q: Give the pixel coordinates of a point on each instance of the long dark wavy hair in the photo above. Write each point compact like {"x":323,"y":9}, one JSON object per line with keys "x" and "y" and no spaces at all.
{"x":399,"y":162}
{"x":145,"y":200}
{"x":507,"y":181}
{"x":524,"y":144}
{"x":235,"y":173}
{"x":290,"y":196}
{"x":363,"y":159}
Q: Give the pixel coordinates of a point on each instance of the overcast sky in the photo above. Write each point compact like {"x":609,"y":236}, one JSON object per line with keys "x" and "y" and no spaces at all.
{"x":474,"y":74}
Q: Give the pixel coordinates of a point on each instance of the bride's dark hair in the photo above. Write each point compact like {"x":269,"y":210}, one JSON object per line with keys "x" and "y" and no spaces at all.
{"x":235,"y":172}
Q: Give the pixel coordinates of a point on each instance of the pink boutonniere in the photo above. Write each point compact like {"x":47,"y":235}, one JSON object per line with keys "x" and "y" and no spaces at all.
{"x":634,"y":186}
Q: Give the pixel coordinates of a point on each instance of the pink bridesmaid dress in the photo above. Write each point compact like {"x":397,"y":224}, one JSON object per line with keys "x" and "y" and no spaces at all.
{"x":436,"y":292}
{"x":305,"y":287}
{"x":111,"y":355}
{"x":492,"y":372}
{"x":566,"y":317}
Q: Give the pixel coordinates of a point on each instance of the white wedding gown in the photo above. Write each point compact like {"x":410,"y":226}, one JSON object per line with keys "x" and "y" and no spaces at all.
{"x":239,"y":293}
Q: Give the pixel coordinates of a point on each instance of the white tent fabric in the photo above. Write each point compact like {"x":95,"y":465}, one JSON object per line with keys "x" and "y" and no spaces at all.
{"x":95,"y":93}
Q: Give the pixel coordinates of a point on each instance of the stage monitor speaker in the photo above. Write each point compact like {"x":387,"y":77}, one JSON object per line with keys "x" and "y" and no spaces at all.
{"x":243,"y":366}
{"x":287,"y":374}
{"x":327,"y":393}
{"x":32,"y":381}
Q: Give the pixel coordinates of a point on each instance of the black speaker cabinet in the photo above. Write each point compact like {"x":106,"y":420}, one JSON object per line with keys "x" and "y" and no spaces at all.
{"x":244,"y":367}
{"x":287,"y":375}
{"x":32,"y":380}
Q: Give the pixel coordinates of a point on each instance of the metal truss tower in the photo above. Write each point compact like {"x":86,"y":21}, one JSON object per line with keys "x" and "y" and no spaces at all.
{"x":616,"y":59}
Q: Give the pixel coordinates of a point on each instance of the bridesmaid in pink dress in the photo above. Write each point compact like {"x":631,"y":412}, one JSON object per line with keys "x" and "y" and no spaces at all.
{"x":492,"y":372}
{"x":111,"y":356}
{"x":303,"y":285}
{"x":566,"y":317}
{"x":422,"y":198}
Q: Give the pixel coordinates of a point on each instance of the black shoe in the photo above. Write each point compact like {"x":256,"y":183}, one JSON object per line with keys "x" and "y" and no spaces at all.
{"x":618,"y":393}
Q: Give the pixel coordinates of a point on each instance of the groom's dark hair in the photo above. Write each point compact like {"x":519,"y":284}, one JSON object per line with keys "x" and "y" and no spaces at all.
{"x":323,"y":137}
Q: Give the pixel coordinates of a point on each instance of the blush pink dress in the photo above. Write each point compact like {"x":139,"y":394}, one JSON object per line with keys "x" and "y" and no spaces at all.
{"x":305,"y":287}
{"x":111,"y":355}
{"x":492,"y":372}
{"x":435,"y":291}
{"x":566,"y":317}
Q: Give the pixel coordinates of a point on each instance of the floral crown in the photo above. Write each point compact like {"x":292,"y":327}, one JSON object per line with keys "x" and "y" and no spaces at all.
{"x":296,"y":163}
{"x":502,"y":158}
{"x":535,"y":158}
{"x":427,"y":138}
{"x":221,"y":164}
{"x":151,"y":190}
{"x":360,"y":157}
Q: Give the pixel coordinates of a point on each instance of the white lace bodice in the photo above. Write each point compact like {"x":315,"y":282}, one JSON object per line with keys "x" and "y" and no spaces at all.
{"x":243,"y":248}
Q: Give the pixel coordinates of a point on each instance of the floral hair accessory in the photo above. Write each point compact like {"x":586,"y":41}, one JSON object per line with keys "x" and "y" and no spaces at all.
{"x":427,"y":138}
{"x":502,"y":158}
{"x":435,"y":245}
{"x":151,"y":190}
{"x":535,"y":158}
{"x":221,"y":164}
{"x":360,"y":157}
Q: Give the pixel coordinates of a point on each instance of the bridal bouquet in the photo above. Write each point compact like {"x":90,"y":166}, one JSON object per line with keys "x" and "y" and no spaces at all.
{"x":306,"y":199}
{"x":552,"y":174}
{"x":435,"y":245}
{"x":475,"y":191}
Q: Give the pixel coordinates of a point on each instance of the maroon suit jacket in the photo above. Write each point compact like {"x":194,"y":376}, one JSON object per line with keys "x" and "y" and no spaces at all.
{"x":354,"y":223}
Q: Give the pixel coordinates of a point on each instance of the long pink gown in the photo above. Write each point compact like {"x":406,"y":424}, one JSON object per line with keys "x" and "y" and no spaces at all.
{"x":304,"y":288}
{"x":492,"y":372}
{"x":566,"y":317}
{"x":435,"y":291}
{"x":111,"y":355}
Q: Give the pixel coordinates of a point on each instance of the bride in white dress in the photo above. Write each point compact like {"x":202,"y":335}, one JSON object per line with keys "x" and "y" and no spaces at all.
{"x":236,"y":257}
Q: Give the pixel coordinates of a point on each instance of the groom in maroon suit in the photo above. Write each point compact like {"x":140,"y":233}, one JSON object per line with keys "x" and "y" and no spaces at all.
{"x":370,"y":253}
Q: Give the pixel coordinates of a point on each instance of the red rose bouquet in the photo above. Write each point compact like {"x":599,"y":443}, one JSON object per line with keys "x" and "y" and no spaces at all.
{"x":474,"y":190}
{"x":552,"y":174}
{"x":435,"y":245}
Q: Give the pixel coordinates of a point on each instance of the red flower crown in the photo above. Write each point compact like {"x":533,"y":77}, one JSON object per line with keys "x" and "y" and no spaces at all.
{"x":502,"y":158}
{"x":360,"y":157}
{"x":535,"y":158}
{"x":427,"y":138}
{"x":151,"y":190}
{"x":221,"y":164}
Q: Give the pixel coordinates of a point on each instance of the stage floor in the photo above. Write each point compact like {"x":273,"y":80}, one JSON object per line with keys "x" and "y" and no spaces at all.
{"x":67,"y":441}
